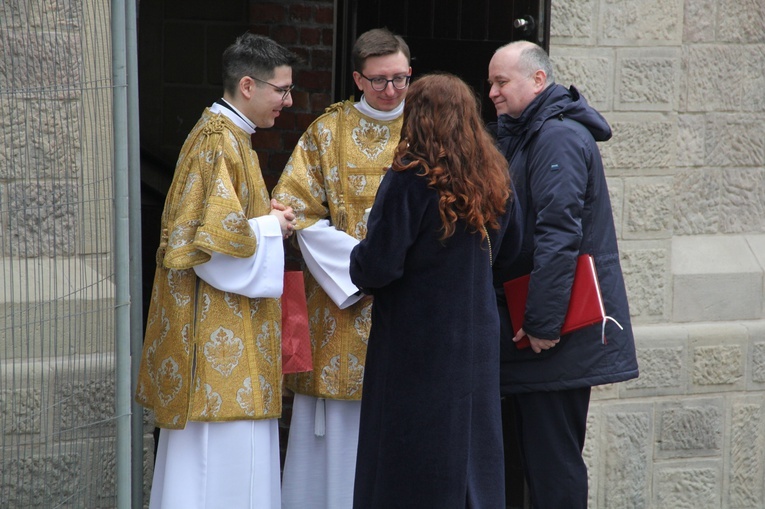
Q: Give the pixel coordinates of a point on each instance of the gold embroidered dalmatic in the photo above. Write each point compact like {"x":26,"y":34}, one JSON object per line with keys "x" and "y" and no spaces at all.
{"x":210,"y":355}
{"x":334,"y":173}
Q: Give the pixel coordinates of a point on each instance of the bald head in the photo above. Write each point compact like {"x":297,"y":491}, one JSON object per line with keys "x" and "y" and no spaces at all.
{"x":530,"y":57}
{"x":518,"y":72}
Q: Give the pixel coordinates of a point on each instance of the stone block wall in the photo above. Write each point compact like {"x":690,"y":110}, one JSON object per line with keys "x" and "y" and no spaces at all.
{"x":682,"y":85}
{"x":57,"y":298}
{"x":42,"y":464}
{"x":681,"y":82}
{"x":690,"y":432}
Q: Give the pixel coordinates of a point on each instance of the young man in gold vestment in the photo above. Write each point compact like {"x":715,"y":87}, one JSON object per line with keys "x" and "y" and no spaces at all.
{"x":330,"y":180}
{"x":211,"y":364}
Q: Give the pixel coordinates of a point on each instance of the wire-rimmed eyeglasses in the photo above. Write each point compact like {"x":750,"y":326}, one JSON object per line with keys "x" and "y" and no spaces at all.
{"x":379,"y":83}
{"x":284,"y":91}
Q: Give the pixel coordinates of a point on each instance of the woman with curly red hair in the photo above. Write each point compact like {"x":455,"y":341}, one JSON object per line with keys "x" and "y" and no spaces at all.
{"x":431,"y":433}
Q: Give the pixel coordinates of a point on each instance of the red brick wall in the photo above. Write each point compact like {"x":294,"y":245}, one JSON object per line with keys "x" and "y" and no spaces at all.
{"x":305,"y":27}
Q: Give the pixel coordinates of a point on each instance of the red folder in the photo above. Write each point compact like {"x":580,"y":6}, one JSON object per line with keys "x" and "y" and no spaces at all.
{"x":584,"y":308}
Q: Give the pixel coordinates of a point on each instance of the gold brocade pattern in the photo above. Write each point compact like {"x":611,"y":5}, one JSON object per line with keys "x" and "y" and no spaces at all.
{"x":210,"y":355}
{"x":334,"y":173}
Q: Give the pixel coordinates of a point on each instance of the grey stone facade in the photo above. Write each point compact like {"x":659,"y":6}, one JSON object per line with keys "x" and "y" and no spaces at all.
{"x":682,"y":84}
{"x":57,"y":300}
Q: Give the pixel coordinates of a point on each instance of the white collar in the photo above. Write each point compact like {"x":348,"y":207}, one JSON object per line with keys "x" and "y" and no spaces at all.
{"x":236,"y":116}
{"x":364,"y":107}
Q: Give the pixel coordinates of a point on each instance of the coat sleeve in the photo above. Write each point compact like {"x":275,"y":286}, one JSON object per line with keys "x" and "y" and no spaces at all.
{"x":394,"y":225}
{"x":558,"y":178}
{"x":509,"y":246}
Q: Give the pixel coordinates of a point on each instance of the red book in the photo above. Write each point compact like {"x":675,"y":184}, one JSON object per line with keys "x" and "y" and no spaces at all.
{"x":584,"y":308}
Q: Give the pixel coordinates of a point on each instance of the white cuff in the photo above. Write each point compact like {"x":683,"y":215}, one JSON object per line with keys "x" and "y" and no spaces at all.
{"x":327,"y":254}
{"x":260,"y":275}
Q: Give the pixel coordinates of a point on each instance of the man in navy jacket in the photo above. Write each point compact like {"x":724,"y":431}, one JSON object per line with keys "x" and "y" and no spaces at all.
{"x":548,"y":134}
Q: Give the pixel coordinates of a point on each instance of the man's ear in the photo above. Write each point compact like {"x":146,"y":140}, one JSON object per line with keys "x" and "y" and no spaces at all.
{"x":246,"y":86}
{"x":540,"y":80}
{"x":357,"y":79}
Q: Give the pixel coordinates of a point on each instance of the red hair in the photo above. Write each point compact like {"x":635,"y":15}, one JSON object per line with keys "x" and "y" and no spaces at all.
{"x":443,"y":134}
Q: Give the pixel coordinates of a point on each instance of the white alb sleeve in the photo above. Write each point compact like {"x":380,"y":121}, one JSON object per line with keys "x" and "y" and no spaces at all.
{"x":327,"y":254}
{"x":260,"y":275}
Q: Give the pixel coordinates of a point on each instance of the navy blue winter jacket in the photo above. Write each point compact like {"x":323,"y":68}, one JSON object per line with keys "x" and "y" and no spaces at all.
{"x":561,"y":187}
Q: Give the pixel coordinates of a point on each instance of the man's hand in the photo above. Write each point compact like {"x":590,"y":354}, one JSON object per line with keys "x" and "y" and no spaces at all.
{"x":537,"y":344}
{"x":286,"y":217}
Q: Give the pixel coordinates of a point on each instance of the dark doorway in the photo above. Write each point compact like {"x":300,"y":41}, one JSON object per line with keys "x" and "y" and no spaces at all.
{"x":456,"y":36}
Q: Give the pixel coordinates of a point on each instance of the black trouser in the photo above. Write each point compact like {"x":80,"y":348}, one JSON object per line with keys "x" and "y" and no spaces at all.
{"x":551,"y":427}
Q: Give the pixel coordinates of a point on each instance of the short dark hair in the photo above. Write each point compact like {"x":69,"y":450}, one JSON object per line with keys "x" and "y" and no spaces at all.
{"x":256,"y":56}
{"x":377,"y":42}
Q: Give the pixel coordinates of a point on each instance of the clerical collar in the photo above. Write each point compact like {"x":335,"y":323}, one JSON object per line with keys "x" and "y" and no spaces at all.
{"x":364,"y":107}
{"x":239,"y":119}
{"x":222,"y":107}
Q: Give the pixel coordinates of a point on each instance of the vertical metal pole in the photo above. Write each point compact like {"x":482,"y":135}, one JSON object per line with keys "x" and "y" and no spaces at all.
{"x":136,"y":286}
{"x":121,"y":255}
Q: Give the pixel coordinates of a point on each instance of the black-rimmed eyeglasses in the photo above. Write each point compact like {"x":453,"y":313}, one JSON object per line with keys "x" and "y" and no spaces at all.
{"x":284,"y":91}
{"x":379,"y":83}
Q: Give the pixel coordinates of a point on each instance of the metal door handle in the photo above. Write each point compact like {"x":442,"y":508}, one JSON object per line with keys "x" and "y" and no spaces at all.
{"x":525,"y":24}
